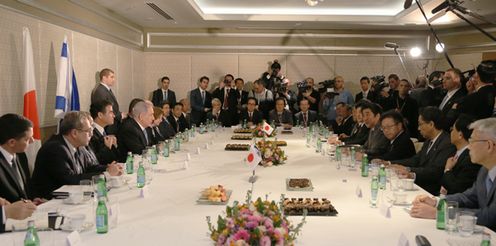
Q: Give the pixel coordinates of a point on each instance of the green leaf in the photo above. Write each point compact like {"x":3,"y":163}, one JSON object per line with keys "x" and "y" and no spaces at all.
{"x":221,"y":223}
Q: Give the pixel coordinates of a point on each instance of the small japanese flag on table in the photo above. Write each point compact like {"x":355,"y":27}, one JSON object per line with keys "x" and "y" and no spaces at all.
{"x":253,"y":157}
{"x":267,"y":128}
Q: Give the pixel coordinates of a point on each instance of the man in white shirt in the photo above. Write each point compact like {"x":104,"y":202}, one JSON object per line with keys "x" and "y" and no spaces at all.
{"x":18,"y":210}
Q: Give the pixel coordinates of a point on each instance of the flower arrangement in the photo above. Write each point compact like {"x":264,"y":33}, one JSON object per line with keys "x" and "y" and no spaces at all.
{"x":271,"y":153}
{"x":259,"y":133}
{"x":254,"y":223}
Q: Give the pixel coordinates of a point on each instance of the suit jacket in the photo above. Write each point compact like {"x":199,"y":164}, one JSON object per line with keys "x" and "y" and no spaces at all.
{"x":311,"y":117}
{"x":401,"y":148}
{"x":346,"y":127}
{"x":313,"y":106}
{"x":371,"y":96}
{"x":376,"y":144}
{"x":450,"y":114}
{"x":409,"y":109}
{"x":479,"y":104}
{"x":430,"y":97}
{"x":286,"y":117}
{"x":155,"y":135}
{"x":101,"y":93}
{"x":102,"y":152}
{"x":429,"y":167}
{"x":55,"y":166}
{"x":166,"y":129}
{"x":256,"y":118}
{"x":230,"y":106}
{"x":359,"y":135}
{"x":179,"y":126}
{"x":462,"y":175}
{"x":198,"y":114}
{"x":477,"y":198}
{"x":158,"y":98}
{"x":224,"y":117}
{"x":131,"y":138}
{"x":10,"y":186}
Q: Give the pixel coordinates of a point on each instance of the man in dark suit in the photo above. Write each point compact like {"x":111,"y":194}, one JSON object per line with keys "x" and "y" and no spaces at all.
{"x":165,"y":126}
{"x":133,"y":136}
{"x":251,"y":115}
{"x":459,"y":172}
{"x":407,"y":106}
{"x":201,"y":102}
{"x":64,"y":160}
{"x":360,"y":132}
{"x":281,"y":116}
{"x":433,"y":93}
{"x":343,"y":124}
{"x":177,"y":119}
{"x":103,"y":145}
{"x":400,"y":145}
{"x":218,"y":114}
{"x":376,"y":144}
{"x":15,"y":137}
{"x":305,"y":116}
{"x":366,"y":93}
{"x":164,"y":94}
{"x":241,"y":97}
{"x":427,"y":166}
{"x":104,"y":92}
{"x":455,"y":93}
{"x":228,"y":99}
{"x":480,"y":104}
{"x":481,"y":197}
{"x":17,"y":210}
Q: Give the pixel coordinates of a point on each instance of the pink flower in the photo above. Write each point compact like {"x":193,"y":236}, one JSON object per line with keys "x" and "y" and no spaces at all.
{"x":268,"y":224}
{"x":251,"y":224}
{"x":242,"y":234}
{"x":265,"y":241}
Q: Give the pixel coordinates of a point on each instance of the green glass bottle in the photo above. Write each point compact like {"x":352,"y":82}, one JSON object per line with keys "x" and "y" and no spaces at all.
{"x":382,"y":177}
{"x":440,"y":214}
{"x":140,"y":175}
{"x":166,"y":148}
{"x":153,"y":155}
{"x":318,"y":147}
{"x":102,"y":186}
{"x":177,"y":142}
{"x":129,"y":163}
{"x":365,"y":166}
{"x":31,"y":238}
{"x":486,"y":239}
{"x":101,"y":216}
{"x":374,"y":189}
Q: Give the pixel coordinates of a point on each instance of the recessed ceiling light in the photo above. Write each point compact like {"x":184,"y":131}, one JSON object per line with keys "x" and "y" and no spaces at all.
{"x":415,"y":52}
{"x":439,"y":47}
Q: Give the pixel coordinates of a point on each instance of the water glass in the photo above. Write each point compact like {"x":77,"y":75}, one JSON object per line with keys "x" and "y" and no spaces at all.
{"x":113,"y":207}
{"x":451,"y":216}
{"x":87,"y":188}
{"x":466,"y":223}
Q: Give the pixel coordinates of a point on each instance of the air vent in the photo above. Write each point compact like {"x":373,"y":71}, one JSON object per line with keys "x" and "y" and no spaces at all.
{"x":159,"y":11}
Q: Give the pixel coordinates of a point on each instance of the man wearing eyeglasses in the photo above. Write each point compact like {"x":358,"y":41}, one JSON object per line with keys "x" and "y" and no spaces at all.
{"x":63,"y":159}
{"x":481,"y":196}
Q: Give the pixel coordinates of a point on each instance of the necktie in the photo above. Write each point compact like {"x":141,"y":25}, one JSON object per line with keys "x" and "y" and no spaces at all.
{"x":445,"y":100}
{"x":203,"y":97}
{"x":429,"y":146}
{"x":17,"y":173}
{"x":250,"y":116}
{"x":489,"y":185}
{"x":177,"y":125}
{"x":165,"y":95}
{"x":279,"y":117}
{"x":77,"y":162}
{"x":146,"y":136}
{"x":305,"y":118}
{"x":226,"y":102}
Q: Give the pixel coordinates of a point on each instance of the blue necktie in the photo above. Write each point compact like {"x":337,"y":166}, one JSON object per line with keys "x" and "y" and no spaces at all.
{"x":489,"y":184}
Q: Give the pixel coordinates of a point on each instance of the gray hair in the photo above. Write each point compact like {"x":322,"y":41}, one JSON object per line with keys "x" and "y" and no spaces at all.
{"x":216,"y":100}
{"x":486,"y":127}
{"x":73,"y":120}
{"x":139,"y":107}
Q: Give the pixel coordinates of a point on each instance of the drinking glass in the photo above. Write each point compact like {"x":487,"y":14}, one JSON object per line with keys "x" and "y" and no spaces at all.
{"x":451,"y":216}
{"x":86,"y":188}
{"x":466,"y":223}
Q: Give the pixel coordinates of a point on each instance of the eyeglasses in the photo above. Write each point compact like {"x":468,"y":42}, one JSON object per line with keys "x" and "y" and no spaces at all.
{"x":387,"y":127}
{"x":89,"y":130}
{"x":471,"y":141}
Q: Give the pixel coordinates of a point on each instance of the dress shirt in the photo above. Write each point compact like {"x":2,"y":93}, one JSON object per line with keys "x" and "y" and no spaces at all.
{"x":433,"y":141}
{"x":100,"y":129}
{"x":447,"y":97}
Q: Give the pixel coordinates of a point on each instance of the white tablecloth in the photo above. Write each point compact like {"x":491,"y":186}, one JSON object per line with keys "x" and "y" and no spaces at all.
{"x":170,"y":215}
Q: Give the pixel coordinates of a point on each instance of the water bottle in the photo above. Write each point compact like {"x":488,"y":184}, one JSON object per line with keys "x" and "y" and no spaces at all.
{"x":245,"y":125}
{"x":374,"y":189}
{"x":318,"y":147}
{"x":186,"y":135}
{"x":382,"y":177}
{"x":101,"y":186}
{"x":101,"y":217}
{"x":153,"y":155}
{"x":365,"y":166}
{"x":486,"y":239}
{"x":166,"y":148}
{"x":177,"y":142}
{"x":352,"y":157}
{"x":31,"y":238}
{"x":129,"y":163}
{"x":440,"y":214}
{"x":309,"y":138}
{"x":141,"y":178}
{"x":193,"y":131}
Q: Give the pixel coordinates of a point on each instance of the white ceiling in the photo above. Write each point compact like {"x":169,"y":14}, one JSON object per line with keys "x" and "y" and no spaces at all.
{"x":288,"y":14}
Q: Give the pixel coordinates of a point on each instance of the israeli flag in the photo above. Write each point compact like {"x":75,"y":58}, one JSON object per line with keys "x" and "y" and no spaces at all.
{"x":67,"y":96}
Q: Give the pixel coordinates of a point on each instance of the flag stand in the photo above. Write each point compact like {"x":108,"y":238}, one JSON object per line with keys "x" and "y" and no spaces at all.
{"x":253,"y":178}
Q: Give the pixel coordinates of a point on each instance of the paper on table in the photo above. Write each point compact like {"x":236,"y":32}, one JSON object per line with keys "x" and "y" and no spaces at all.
{"x":385,"y":209}
{"x":68,"y":189}
{"x":40,"y":220}
{"x":358,"y":192}
{"x":403,"y":241}
{"x":74,"y":239}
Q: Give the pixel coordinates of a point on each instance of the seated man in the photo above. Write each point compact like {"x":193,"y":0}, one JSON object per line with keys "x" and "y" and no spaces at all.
{"x":427,"y":166}
{"x":376,"y":144}
{"x":343,"y":124}
{"x":104,"y":146}
{"x":480,"y":197}
{"x":400,"y":144}
{"x":165,"y":126}
{"x":251,"y":115}
{"x":177,"y":119}
{"x":63,"y":159}
{"x":360,"y":131}
{"x":218,"y":114}
{"x":459,"y":172}
{"x":132,"y":135}
{"x":305,"y":116}
{"x":15,"y":137}
{"x":18,"y":210}
{"x":281,"y":116}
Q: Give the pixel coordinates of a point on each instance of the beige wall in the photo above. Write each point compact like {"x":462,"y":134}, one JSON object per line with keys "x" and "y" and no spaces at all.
{"x":89,"y":55}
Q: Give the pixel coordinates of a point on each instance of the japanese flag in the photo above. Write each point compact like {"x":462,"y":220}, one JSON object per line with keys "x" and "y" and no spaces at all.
{"x":267,"y":128}
{"x":254,"y":157}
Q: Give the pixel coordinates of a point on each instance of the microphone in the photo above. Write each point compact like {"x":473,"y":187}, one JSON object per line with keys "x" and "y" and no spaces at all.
{"x":391,"y":45}
{"x":440,"y":7}
{"x":407,"y":4}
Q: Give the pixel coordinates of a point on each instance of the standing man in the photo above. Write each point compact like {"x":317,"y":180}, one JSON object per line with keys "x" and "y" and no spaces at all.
{"x":228,"y":99}
{"x":241,"y":96}
{"x":455,"y":93}
{"x":104,"y":92}
{"x":310,"y":94}
{"x":164,"y":94}
{"x":365,"y":92}
{"x":201,"y":102}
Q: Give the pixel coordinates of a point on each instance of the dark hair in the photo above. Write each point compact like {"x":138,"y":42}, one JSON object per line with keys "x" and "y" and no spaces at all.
{"x":281,"y":99}
{"x":432,"y":114}
{"x":393,"y":76}
{"x":259,"y":82}
{"x":105,"y":72}
{"x":99,"y":107}
{"x":178,"y":104}
{"x":375,"y":108}
{"x":341,"y":103}
{"x":13,"y":127}
{"x":252,"y":98}
{"x":229,"y":75}
{"x":435,"y":74}
{"x":239,"y":79}
{"x":165,"y":102}
{"x":365,"y":78}
{"x":457,"y":72}
{"x":164,"y":78}
{"x":133,"y":103}
{"x":204,"y":77}
{"x":462,"y":125}
{"x":395,"y":116}
{"x":275,"y":65}
{"x":487,"y":71}
{"x":304,"y":99}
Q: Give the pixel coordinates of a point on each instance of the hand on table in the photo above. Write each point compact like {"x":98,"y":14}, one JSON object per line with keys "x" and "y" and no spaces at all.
{"x":19,"y":210}
{"x":423,"y":210}
{"x":38,"y":201}
{"x":425,"y":199}
{"x":114,"y":169}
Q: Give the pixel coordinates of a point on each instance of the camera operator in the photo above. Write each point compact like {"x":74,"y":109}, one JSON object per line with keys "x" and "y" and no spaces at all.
{"x":289,"y":96}
{"x":387,"y":92}
{"x":273,"y":77}
{"x":433,"y":94}
{"x":334,"y":96}
{"x":264,"y":97}
{"x":310,"y":94}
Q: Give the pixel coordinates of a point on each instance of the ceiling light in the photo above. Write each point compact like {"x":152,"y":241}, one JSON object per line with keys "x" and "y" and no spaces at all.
{"x":439,"y":47}
{"x":415,"y":52}
{"x":312,"y":3}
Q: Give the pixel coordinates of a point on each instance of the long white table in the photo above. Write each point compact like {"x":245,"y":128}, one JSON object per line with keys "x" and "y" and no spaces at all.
{"x":170,"y":215}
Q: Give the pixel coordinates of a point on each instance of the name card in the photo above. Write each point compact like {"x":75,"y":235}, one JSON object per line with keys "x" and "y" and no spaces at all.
{"x":188,"y":156}
{"x":358,"y":192}
{"x":385,"y":209}
{"x":403,"y":241}
{"x":186,"y":165}
{"x":206,"y":146}
{"x":198,"y":150}
{"x":74,"y":239}
{"x":144,"y":192}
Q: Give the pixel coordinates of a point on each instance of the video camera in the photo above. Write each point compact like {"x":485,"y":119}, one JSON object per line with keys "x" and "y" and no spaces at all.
{"x":327,"y":88}
{"x":303,"y":86}
{"x":379,"y":83}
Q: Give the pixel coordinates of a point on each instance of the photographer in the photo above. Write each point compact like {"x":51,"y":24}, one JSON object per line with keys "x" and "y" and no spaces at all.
{"x":307,"y":91}
{"x":433,"y":94}
{"x":273,"y":77}
{"x":386,"y":92}
{"x":282,"y":90}
{"x":334,"y":96}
